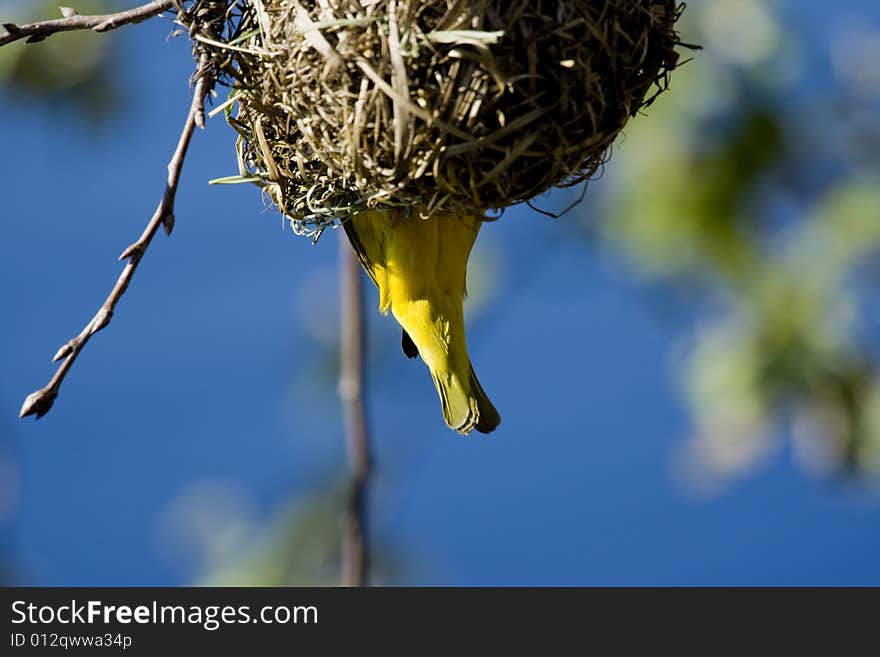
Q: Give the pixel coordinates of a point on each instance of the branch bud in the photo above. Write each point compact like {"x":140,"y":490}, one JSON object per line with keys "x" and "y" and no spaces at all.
{"x":38,"y":403}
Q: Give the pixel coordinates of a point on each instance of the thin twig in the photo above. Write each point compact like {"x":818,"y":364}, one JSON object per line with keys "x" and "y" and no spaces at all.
{"x":41,"y":401}
{"x":72,"y":21}
{"x":355,"y":551}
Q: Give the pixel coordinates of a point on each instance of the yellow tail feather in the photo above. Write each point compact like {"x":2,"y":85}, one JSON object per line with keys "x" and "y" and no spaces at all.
{"x":419,"y":266}
{"x":465,"y":405}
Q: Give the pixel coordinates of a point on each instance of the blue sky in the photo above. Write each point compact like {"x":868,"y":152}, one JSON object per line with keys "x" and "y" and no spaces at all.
{"x":208,"y":374}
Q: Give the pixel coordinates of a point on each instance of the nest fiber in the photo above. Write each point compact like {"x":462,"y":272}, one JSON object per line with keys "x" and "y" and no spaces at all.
{"x":458,"y":106}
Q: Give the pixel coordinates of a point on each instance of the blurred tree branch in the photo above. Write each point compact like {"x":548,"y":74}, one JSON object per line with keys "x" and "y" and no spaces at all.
{"x":355,"y":553}
{"x":34,"y":32}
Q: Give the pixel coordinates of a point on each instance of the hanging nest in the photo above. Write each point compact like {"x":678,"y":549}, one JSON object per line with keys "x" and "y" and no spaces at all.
{"x":453,"y":106}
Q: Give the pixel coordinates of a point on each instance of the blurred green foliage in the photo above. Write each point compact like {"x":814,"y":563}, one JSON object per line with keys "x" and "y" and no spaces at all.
{"x":301,"y":547}
{"x":213,"y":529}
{"x":73,"y":70}
{"x":730,"y":188}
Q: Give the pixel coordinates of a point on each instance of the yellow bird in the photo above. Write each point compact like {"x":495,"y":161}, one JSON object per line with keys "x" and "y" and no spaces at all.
{"x":420,"y":266}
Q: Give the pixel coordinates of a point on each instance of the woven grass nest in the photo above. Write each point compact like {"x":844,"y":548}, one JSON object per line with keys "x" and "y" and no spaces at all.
{"x":453,"y":106}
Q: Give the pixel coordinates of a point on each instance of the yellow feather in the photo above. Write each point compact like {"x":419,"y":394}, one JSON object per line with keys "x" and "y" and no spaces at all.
{"x":420,"y":268}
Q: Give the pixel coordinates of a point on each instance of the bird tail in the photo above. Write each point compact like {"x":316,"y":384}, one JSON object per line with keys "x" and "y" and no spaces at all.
{"x":465,"y":404}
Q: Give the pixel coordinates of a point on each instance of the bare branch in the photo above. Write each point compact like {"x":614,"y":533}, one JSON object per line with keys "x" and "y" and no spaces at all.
{"x":34,"y":32}
{"x":38,"y":403}
{"x":355,"y":552}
